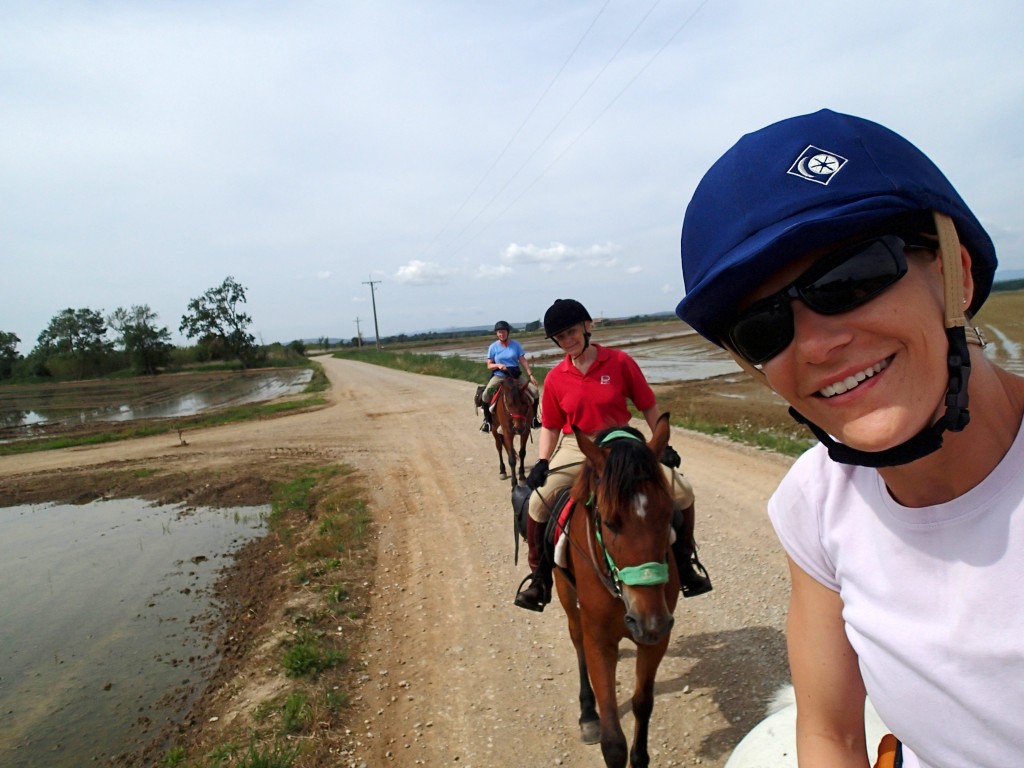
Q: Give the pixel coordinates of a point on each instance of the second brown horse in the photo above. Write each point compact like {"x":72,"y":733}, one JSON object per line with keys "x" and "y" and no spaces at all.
{"x":513,"y":415}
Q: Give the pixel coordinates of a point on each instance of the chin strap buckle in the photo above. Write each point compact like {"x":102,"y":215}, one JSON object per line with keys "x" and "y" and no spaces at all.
{"x":959,"y":364}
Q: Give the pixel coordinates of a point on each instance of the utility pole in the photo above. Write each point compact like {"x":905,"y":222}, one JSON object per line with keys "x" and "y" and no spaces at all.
{"x":373,"y":299}
{"x":359,"y":335}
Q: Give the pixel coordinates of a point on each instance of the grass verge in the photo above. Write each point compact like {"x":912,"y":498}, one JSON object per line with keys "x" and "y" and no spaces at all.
{"x":318,"y":541}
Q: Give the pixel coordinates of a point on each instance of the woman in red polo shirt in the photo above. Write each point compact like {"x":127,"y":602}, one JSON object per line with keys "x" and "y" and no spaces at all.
{"x":590,"y":389}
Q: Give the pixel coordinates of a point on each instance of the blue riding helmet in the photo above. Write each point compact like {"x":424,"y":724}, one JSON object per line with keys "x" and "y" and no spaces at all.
{"x":801,"y":184}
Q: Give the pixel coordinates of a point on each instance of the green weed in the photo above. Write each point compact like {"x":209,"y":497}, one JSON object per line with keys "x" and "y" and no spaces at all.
{"x":307,"y":657}
{"x":295,"y":712}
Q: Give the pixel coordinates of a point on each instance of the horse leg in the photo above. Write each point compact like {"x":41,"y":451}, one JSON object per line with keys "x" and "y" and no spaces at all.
{"x":648,"y":657}
{"x":522,"y":458}
{"x":499,"y":443}
{"x":590,"y":730}
{"x":510,"y":448}
{"x":601,"y":659}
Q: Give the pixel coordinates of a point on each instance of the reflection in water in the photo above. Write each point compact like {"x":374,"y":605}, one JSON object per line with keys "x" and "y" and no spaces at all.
{"x":100,"y":622}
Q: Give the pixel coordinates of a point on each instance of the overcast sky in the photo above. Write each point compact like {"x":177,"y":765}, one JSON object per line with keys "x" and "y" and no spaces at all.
{"x":474,"y":160}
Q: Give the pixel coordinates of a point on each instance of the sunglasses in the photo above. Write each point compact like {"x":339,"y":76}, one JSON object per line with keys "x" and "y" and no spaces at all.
{"x":836,"y":283}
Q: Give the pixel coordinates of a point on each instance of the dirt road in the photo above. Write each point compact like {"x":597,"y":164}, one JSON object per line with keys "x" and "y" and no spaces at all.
{"x":455,"y":674}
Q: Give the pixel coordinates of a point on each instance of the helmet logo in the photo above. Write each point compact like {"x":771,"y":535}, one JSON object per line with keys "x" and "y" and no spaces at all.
{"x":817,"y":165}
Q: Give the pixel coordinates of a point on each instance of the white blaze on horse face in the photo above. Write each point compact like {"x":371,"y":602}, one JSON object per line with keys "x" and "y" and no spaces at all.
{"x":640,"y":504}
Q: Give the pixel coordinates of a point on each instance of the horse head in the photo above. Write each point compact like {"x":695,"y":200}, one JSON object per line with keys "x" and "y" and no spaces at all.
{"x":631,"y":507}
{"x":518,"y":403}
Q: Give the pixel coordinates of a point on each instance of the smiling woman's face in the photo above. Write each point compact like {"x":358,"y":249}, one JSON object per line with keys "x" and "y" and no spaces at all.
{"x":572,"y":338}
{"x":876,"y":375}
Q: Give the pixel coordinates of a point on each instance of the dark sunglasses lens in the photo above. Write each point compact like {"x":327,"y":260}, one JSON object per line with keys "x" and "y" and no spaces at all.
{"x":762,"y":332}
{"x":854,"y":276}
{"x":839,"y":282}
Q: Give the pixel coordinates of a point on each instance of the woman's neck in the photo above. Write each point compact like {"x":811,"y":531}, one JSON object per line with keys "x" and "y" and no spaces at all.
{"x":585,"y":359}
{"x":966,"y":458}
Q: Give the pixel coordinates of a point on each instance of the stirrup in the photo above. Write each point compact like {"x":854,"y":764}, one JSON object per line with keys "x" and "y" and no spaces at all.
{"x":485,"y":427}
{"x":697,"y":581}
{"x":532,"y":602}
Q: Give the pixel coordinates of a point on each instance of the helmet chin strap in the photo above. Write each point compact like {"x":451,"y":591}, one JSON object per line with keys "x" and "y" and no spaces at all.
{"x":586,"y":343}
{"x":958,"y":363}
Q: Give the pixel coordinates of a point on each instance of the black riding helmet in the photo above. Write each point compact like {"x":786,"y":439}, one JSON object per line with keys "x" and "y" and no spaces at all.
{"x":501,"y":325}
{"x":563,"y":314}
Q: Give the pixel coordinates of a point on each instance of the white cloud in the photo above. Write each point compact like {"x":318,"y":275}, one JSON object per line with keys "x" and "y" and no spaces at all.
{"x":560,"y":254}
{"x":488,"y":271}
{"x":324,"y":274}
{"x":418,"y":272}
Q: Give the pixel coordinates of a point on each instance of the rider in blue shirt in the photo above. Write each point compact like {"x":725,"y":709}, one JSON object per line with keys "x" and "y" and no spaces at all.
{"x":505,"y":357}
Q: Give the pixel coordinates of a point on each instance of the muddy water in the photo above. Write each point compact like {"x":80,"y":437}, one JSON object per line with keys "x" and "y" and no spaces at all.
{"x":106,"y":616}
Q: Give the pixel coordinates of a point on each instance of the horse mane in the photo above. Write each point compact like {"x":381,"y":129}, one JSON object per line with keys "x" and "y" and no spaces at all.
{"x":629,"y":468}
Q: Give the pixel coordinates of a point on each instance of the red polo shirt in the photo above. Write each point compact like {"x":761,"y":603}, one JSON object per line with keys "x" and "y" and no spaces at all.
{"x":597,"y":399}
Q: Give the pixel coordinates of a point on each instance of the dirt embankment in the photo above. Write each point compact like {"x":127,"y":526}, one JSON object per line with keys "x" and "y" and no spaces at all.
{"x":452,"y":672}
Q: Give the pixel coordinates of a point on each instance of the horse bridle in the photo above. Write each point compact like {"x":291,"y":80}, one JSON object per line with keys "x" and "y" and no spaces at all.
{"x":521,"y":417}
{"x":644,"y":575}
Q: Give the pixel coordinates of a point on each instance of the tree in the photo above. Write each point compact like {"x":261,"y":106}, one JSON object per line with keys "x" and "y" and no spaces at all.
{"x":148,"y":347}
{"x":78,"y":336}
{"x":216,"y":320}
{"x":8,"y":353}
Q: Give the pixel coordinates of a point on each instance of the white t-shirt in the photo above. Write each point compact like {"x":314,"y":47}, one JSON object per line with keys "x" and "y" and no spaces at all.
{"x":933,"y":600}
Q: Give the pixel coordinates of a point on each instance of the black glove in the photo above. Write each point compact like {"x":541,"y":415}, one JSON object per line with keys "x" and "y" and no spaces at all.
{"x":670,"y":458}
{"x":538,"y":475}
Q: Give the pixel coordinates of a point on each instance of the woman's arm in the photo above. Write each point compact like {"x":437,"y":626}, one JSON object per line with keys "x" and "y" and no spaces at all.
{"x":526,"y":367}
{"x":651,"y":416}
{"x":826,"y":678}
{"x":547,"y":441}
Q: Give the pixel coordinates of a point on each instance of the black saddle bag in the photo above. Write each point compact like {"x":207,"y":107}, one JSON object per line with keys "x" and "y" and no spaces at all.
{"x":521,"y":511}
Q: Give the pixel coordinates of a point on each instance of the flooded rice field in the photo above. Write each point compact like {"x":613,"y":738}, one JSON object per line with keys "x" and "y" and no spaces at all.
{"x":148,"y":397}
{"x":670,"y":351}
{"x":107,"y":622}
{"x":666,"y":352}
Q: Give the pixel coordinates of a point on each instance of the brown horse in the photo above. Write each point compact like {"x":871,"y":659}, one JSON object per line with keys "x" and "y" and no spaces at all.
{"x":619,"y":581}
{"x":513,"y":415}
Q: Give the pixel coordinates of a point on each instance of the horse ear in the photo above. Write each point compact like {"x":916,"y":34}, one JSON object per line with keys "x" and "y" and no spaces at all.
{"x":590,"y":449}
{"x":660,"y":437}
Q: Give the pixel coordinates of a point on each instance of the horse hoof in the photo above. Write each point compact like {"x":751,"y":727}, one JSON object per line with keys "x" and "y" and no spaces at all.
{"x":590,"y":733}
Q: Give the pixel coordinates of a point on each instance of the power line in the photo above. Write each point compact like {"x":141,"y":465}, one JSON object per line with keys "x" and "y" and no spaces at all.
{"x":590,"y":125}
{"x":550,"y":133}
{"x":516,"y":133}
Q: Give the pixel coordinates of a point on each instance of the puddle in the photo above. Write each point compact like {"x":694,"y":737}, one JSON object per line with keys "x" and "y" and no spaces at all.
{"x":106,"y":609}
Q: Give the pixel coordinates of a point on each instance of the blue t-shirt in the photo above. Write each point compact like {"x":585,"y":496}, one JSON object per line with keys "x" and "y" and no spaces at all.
{"x":506,"y":355}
